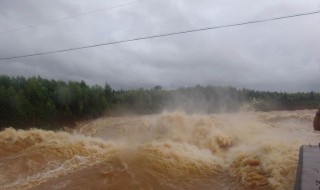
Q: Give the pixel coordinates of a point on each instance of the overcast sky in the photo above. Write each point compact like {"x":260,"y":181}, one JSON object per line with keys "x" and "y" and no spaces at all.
{"x":283,"y":55}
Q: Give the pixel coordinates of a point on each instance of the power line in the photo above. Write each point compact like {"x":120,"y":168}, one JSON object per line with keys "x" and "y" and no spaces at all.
{"x":162,"y":35}
{"x":70,"y":17}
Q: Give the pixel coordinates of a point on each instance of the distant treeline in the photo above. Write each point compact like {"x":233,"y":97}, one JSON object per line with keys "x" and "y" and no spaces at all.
{"x":38,"y":102}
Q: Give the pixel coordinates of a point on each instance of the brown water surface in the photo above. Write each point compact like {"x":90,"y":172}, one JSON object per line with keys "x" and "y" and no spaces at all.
{"x":168,"y":151}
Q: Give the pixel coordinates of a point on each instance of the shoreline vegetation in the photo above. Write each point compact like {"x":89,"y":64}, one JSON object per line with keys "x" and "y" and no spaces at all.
{"x":36,"y":102}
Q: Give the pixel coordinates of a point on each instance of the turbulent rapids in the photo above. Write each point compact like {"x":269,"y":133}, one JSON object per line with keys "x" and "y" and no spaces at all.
{"x":168,"y":151}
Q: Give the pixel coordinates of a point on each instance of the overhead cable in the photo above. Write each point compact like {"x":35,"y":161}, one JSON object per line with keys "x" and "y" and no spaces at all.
{"x":162,"y":35}
{"x":70,"y":17}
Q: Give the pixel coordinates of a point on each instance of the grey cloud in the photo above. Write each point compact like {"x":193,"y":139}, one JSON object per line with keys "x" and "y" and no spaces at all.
{"x":281,"y":55}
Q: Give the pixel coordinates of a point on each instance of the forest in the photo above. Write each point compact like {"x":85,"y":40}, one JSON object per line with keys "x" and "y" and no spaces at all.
{"x":52,"y":104}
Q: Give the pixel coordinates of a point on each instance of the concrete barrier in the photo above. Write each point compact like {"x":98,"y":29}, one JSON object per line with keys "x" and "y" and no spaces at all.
{"x":308,"y":171}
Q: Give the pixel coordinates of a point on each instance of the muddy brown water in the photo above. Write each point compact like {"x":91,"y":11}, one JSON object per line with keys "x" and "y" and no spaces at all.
{"x":253,"y":150}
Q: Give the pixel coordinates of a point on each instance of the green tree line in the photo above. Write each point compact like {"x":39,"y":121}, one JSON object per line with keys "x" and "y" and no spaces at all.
{"x":39,"y":102}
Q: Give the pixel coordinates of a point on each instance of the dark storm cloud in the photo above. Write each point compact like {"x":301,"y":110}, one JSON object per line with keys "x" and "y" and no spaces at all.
{"x":281,"y":55}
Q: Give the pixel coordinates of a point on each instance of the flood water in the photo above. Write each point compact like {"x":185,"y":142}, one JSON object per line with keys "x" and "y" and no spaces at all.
{"x":252,"y":150}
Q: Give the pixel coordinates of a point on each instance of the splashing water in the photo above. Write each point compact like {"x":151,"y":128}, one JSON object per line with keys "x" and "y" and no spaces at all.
{"x":166,"y":151}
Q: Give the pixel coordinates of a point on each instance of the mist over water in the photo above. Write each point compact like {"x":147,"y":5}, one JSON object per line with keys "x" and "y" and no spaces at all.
{"x":173,"y":150}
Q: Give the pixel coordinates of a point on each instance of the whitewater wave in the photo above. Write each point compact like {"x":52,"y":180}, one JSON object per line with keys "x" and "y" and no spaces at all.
{"x":166,"y":151}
